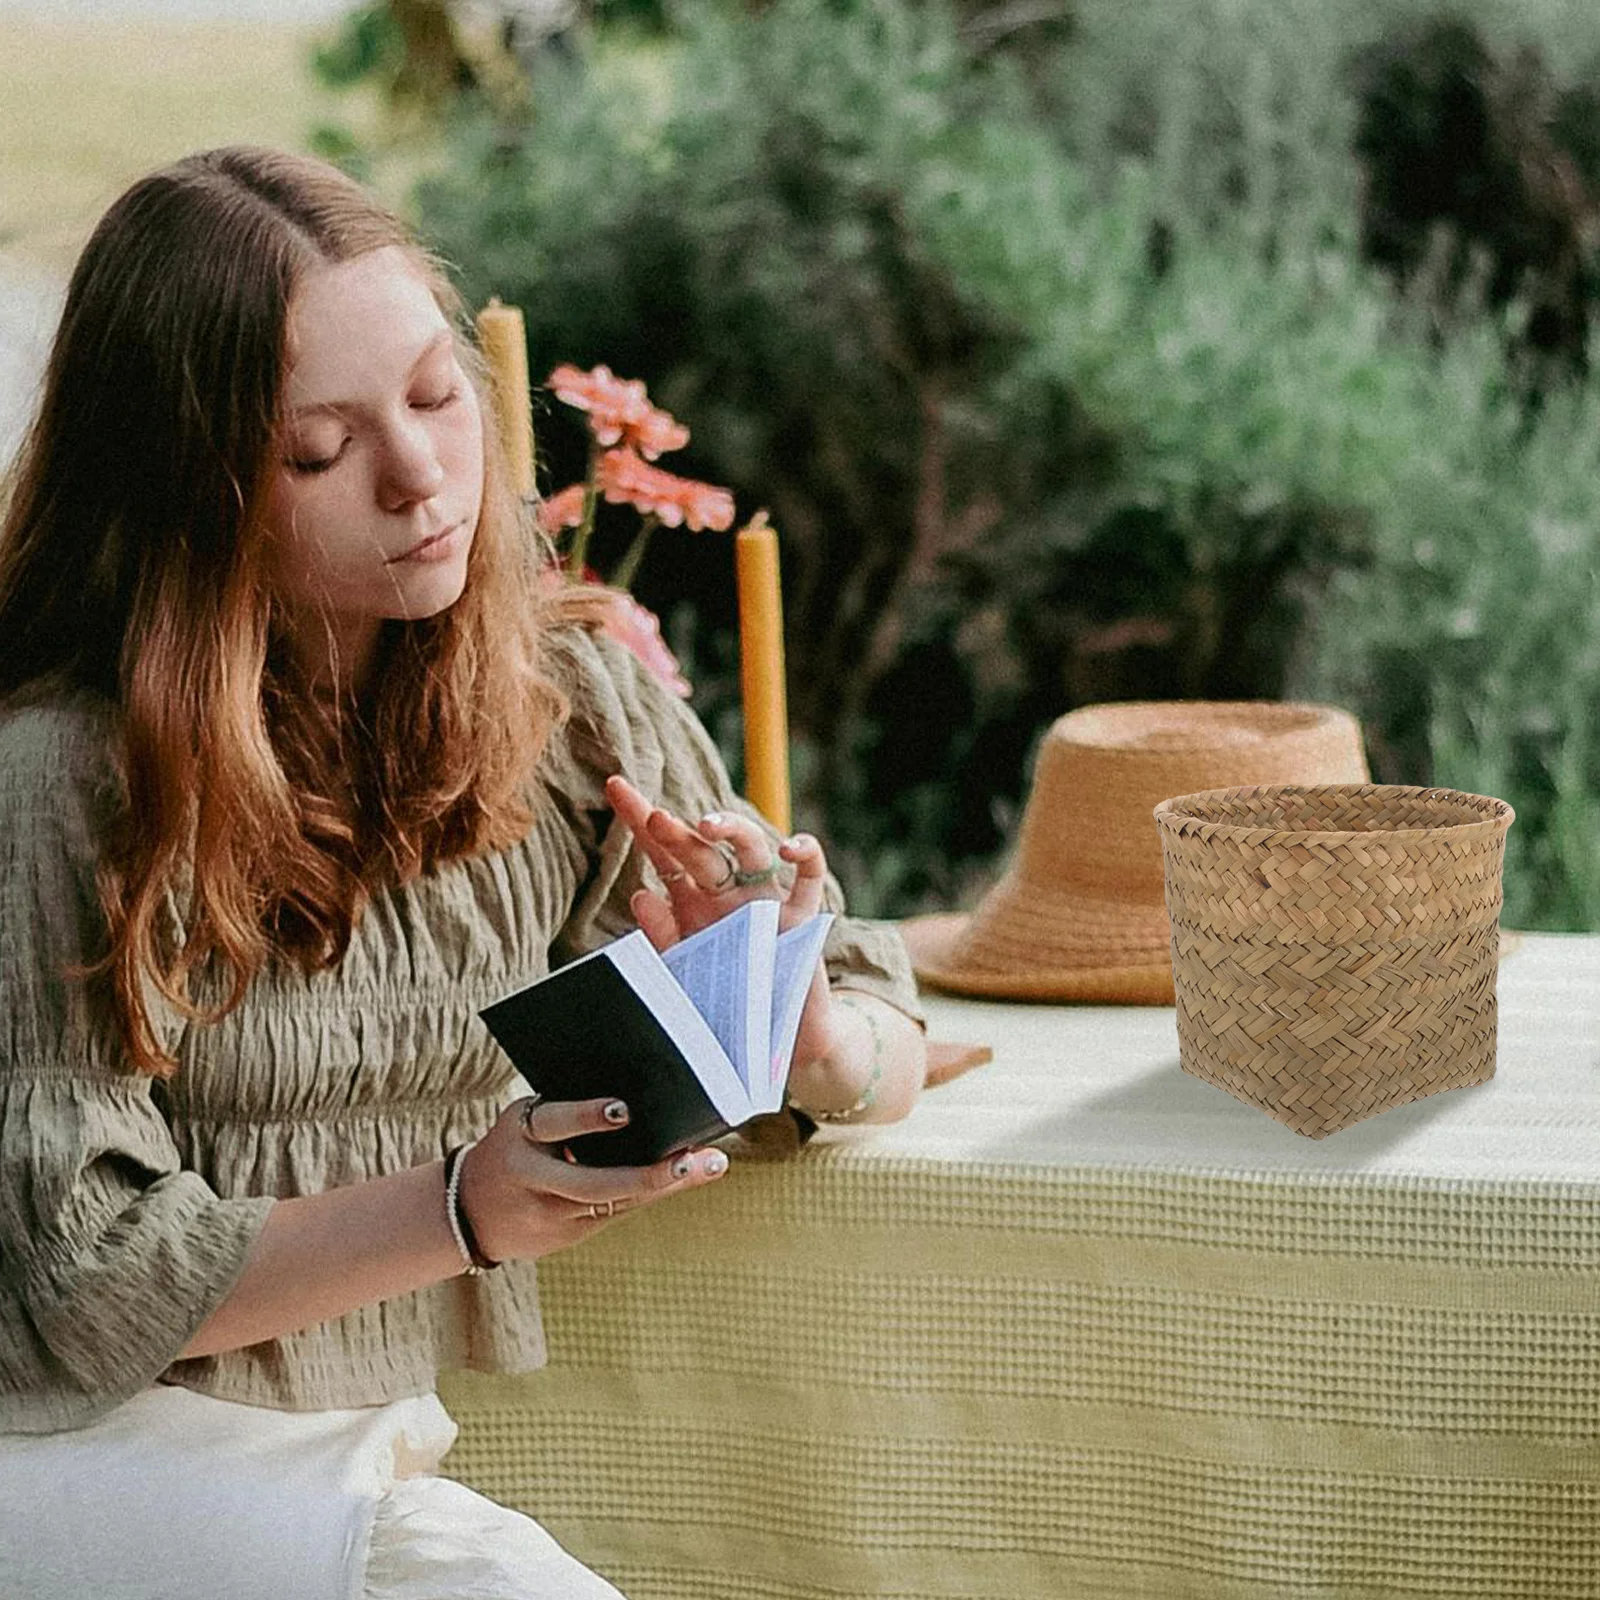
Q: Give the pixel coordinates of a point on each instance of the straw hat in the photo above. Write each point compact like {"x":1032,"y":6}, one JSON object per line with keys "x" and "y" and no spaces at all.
{"x":1080,"y":914}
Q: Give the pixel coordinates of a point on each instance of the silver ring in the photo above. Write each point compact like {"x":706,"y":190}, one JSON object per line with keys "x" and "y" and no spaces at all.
{"x":529,"y":1106}
{"x":731,"y":861}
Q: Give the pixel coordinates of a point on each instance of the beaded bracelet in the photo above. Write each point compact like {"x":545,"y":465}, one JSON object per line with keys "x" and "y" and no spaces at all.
{"x":869,"y":1095}
{"x":474,"y":1262}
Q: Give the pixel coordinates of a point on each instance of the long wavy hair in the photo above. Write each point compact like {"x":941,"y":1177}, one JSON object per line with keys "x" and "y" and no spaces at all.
{"x":259,"y":817}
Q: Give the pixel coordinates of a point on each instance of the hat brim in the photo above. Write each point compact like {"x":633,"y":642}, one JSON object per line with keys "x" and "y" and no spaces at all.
{"x":935,"y":942}
{"x":932,"y":940}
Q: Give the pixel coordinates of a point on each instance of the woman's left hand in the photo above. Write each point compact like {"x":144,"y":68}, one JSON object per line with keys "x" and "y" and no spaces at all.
{"x":715,"y":866}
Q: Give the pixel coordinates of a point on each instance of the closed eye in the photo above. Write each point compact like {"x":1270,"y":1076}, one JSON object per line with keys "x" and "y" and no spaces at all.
{"x":309,"y":466}
{"x":440,"y":402}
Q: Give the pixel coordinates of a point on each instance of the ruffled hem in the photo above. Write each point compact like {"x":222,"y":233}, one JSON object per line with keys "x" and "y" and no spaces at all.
{"x":434,"y":1539}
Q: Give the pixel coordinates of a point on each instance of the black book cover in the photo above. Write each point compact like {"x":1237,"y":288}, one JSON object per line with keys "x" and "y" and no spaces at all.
{"x":584,"y":1033}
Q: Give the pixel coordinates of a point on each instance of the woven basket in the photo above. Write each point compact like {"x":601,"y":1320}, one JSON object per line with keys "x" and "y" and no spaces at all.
{"x":1334,"y":947}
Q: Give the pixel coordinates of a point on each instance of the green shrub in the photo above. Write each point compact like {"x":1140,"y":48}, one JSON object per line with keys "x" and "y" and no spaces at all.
{"x":1062,"y":383}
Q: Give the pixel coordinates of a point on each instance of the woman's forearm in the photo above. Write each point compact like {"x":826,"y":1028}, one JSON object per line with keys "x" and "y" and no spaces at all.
{"x":323,"y":1255}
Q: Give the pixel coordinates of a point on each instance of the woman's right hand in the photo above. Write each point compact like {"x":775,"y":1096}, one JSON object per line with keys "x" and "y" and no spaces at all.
{"x":525,"y":1198}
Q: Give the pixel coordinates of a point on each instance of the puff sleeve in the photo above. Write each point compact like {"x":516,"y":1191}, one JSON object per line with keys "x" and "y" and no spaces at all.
{"x":624,"y":720}
{"x":111,"y":1255}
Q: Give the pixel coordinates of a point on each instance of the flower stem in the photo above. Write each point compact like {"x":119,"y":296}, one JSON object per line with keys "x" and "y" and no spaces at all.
{"x":626,"y":569}
{"x":580,"y":539}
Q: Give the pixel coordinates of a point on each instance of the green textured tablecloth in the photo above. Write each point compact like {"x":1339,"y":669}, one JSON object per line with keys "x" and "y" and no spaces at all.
{"x":1085,"y":1327}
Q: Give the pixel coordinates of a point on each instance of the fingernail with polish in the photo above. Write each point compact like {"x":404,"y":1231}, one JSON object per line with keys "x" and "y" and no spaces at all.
{"x":682,"y":1167}
{"x":716,"y":1164}
{"x":616,"y":1112}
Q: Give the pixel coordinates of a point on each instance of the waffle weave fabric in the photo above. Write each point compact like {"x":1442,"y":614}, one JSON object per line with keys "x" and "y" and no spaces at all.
{"x":1085,"y":1326}
{"x":127,"y":1208}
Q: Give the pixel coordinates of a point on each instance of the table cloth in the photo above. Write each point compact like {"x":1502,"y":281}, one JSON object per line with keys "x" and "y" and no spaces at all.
{"x":1083,"y":1326}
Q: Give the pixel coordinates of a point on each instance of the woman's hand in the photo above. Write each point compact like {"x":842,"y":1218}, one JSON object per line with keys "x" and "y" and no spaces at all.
{"x":525,"y":1198}
{"x":714,"y":867}
{"x":862,"y":1058}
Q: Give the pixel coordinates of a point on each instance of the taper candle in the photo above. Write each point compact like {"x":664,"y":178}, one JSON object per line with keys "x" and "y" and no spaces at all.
{"x":504,"y":341}
{"x":766,"y":707}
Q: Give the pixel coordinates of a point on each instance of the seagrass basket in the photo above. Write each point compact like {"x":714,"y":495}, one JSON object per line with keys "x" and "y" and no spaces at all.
{"x":1334,"y":947}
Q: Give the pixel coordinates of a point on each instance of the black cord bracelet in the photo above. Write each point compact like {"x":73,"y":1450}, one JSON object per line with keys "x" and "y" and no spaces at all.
{"x":456,"y":1214}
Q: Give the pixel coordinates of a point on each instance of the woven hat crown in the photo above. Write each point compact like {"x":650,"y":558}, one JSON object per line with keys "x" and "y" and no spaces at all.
{"x":1103,"y":770}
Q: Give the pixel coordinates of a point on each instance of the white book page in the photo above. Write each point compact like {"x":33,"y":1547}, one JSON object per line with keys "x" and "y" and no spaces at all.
{"x":726,"y":970}
{"x":797,"y":955}
{"x":652,"y":980}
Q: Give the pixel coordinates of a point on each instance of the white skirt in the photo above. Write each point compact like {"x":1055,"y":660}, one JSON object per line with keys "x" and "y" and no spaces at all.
{"x":176,"y":1496}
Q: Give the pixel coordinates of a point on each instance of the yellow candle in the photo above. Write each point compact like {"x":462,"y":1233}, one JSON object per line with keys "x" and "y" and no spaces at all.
{"x":766,"y":708}
{"x":504,"y":342}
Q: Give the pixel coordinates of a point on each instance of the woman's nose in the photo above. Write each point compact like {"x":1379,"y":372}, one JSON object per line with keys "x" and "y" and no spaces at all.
{"x":411,"y":469}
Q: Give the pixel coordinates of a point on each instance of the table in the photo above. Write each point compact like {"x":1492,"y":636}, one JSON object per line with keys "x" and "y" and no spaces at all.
{"x":1084,"y":1327}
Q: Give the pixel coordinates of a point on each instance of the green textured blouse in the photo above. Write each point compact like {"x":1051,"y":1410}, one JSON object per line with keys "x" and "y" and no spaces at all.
{"x":127,"y":1206}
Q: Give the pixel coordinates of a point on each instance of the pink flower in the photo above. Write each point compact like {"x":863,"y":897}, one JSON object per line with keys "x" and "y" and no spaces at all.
{"x":621,"y":617}
{"x":563,"y":510}
{"x":626,"y":480}
{"x":639,"y":630}
{"x":619,"y":410}
{"x":654,"y":434}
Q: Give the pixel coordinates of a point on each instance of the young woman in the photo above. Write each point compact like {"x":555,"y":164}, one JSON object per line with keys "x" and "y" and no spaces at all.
{"x":301,"y":764}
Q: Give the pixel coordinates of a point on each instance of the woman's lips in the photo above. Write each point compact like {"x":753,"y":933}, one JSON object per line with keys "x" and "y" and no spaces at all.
{"x":436,"y":547}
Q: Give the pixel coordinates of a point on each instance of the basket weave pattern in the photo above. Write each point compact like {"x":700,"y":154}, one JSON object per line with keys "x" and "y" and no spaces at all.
{"x":1334,"y":947}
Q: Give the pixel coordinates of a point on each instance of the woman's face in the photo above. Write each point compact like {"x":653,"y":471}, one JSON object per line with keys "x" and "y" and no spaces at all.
{"x":378,"y":476}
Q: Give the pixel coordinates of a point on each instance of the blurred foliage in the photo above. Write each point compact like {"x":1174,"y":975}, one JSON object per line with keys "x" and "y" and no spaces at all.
{"x":1049,"y":339}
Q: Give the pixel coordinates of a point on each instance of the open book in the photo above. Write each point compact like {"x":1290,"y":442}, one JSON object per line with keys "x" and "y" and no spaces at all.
{"x":696,"y":1039}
